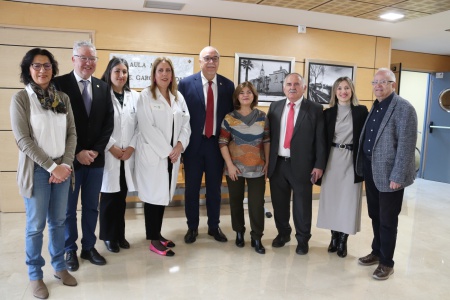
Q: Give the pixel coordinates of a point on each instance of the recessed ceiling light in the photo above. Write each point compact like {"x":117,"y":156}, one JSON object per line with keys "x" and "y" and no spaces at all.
{"x":163,"y":5}
{"x":392,"y":16}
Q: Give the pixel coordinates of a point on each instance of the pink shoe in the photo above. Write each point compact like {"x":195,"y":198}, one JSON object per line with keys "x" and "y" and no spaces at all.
{"x":167,"y":252}
{"x":167,"y":243}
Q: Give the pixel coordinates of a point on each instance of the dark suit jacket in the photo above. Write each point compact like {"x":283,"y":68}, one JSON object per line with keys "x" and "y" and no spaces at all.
{"x":359,"y":115}
{"x":191,"y":88}
{"x":93,"y":131}
{"x":308,"y":148}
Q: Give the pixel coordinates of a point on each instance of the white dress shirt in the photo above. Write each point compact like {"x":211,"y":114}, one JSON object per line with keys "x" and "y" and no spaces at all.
{"x":205,"y":92}
{"x":281,"y":150}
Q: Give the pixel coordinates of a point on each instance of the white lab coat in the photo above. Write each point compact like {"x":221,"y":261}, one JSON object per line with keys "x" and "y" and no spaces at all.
{"x":124,"y":134}
{"x":155,"y":118}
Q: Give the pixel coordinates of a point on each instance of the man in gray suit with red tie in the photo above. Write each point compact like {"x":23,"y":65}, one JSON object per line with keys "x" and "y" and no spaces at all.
{"x":94,"y":120}
{"x":208,"y":96}
{"x":297,"y":160}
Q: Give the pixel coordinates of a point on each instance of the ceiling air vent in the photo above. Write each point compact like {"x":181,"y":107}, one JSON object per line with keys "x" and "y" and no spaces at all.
{"x":163,"y":5}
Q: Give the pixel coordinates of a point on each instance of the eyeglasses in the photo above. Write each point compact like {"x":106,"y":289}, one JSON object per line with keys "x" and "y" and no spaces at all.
{"x":91,"y":59}
{"x":208,"y":58}
{"x":382,"y":82}
{"x":38,"y":66}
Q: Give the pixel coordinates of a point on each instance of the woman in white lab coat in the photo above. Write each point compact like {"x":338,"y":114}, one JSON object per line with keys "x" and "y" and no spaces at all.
{"x":164,"y":132}
{"x":118,"y":174}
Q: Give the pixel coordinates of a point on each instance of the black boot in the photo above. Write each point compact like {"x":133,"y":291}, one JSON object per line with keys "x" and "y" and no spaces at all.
{"x":240,"y":239}
{"x":334,"y":241}
{"x":259,"y":248}
{"x":342,"y":247}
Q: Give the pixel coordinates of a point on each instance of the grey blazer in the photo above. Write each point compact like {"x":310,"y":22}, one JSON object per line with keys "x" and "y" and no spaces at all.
{"x":394,"y":147}
{"x":29,"y":151}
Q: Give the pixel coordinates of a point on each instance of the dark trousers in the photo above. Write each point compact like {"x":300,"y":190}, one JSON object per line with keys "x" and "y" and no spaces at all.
{"x":209,"y":161}
{"x":154,"y":213}
{"x":256,"y":189}
{"x":384,"y":208}
{"x":112,"y":211}
{"x":89,"y":180}
{"x":282,"y":183}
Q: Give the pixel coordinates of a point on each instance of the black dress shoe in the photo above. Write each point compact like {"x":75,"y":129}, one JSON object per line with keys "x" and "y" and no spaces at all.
{"x":112,"y":246}
{"x":259,"y":248}
{"x":334,"y":241}
{"x":93,"y":256}
{"x":217,"y":234}
{"x":72,"y":261}
{"x":123,"y":243}
{"x":280,"y":240}
{"x":240,"y":239}
{"x":191,"y":236}
{"x":302,"y":248}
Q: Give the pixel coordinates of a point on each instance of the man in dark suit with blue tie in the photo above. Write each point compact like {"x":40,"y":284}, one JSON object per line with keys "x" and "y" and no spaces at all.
{"x":94,"y":121}
{"x":297,"y":160}
{"x":209,"y":98}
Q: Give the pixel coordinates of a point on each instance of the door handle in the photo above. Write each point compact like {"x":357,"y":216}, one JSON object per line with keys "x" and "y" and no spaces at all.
{"x":431,"y":126}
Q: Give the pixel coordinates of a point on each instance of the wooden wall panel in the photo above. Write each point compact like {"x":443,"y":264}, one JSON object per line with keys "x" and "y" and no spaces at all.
{"x":41,"y":37}
{"x":10,"y":153}
{"x":413,"y":61}
{"x":15,"y":55}
{"x":363,"y":84}
{"x":5,"y":101}
{"x":125,"y":30}
{"x":231,"y":36}
{"x":383,"y":53}
{"x":9,"y":190}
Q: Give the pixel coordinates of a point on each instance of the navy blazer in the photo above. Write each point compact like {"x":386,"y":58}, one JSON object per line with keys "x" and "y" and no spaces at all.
{"x":359,"y":115}
{"x":191,"y":88}
{"x":93,"y":131}
{"x":308,"y":148}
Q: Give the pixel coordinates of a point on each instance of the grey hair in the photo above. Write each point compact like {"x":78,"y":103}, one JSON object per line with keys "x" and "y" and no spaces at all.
{"x":296,"y":74}
{"x":200,"y":54}
{"x":80,"y":44}
{"x":390,"y":74}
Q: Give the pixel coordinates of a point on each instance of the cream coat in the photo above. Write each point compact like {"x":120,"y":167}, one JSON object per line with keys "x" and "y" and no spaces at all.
{"x":125,"y":134}
{"x":155,"y":118}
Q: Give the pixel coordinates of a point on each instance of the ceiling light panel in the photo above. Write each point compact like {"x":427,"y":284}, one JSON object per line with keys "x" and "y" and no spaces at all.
{"x":163,"y":5}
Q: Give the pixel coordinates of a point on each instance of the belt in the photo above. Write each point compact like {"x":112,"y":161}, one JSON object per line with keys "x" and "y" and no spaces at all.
{"x":343,"y":146}
{"x":285,"y":158}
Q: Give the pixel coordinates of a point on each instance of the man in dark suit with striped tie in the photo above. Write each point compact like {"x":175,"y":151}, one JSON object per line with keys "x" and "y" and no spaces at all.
{"x":94,"y":121}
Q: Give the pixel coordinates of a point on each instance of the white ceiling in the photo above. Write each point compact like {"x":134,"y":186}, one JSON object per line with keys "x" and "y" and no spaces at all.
{"x":426,"y":34}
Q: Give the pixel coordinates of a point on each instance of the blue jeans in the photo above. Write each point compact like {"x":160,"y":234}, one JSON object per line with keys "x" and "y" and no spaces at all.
{"x":48,"y":202}
{"x":89,"y":180}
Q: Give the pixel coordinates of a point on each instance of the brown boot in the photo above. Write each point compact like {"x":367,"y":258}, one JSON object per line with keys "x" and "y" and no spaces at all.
{"x":39,"y":289}
{"x":66,"y":278}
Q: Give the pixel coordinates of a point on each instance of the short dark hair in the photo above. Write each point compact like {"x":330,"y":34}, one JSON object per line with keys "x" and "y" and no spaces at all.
{"x":112,"y":63}
{"x":27,"y":60}
{"x":239,"y":88}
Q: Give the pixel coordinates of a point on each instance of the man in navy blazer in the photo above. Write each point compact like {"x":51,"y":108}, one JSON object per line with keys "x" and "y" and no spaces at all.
{"x":294,"y":168}
{"x":386,"y":160}
{"x":94,"y":121}
{"x":203,"y":153}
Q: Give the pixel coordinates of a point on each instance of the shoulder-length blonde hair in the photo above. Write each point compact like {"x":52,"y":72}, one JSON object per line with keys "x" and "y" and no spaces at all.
{"x":334,"y":100}
{"x":173,"y":86}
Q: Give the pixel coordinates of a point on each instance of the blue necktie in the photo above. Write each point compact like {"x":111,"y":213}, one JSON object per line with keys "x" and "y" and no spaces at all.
{"x":86,"y":97}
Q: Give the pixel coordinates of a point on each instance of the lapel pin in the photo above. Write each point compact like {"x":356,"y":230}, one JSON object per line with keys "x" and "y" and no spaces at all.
{"x":220,"y":83}
{"x":98,"y":86}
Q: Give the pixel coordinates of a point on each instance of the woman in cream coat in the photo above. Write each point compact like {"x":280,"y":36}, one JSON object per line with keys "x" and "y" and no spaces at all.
{"x":164,"y":131}
{"x":118,"y":173}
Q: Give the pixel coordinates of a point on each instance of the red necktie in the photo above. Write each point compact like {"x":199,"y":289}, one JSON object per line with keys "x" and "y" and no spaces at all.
{"x":209,"y":122}
{"x":289,"y":127}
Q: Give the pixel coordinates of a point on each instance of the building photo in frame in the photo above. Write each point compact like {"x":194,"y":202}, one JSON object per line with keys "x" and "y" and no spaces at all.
{"x":265,"y":72}
{"x":322,"y":74}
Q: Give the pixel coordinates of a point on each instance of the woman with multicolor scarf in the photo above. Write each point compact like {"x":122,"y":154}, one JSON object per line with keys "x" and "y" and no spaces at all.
{"x":44,"y":130}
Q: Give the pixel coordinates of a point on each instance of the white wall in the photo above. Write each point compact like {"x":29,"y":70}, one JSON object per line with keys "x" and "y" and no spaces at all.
{"x":414,"y":88}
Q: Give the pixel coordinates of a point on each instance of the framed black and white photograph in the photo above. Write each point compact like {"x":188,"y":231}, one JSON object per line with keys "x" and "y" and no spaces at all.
{"x":265,"y":72}
{"x":322,"y":74}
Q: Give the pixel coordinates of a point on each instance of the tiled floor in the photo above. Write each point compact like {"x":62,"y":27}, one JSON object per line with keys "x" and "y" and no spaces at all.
{"x":211,"y":270}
